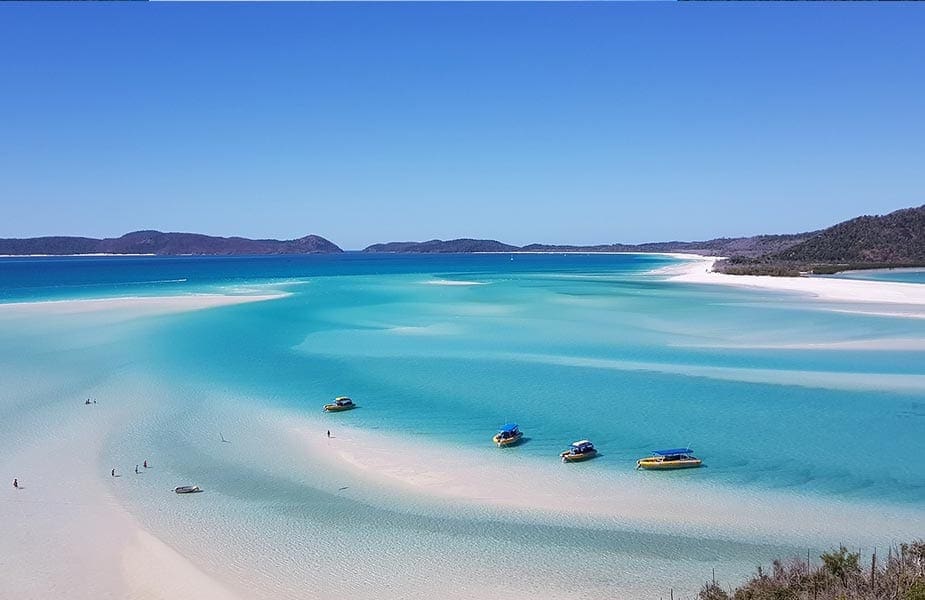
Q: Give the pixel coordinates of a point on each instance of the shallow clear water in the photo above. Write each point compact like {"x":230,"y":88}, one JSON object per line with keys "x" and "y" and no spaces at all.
{"x":601,"y":351}
{"x":447,"y":348}
{"x":900,"y":275}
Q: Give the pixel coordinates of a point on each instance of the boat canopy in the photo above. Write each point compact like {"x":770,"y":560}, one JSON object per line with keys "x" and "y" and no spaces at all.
{"x":673,"y":452}
{"x":581,"y":443}
{"x":509,"y":428}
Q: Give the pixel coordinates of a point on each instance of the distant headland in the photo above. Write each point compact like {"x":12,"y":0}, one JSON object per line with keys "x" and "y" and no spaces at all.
{"x":888,"y":241}
{"x":745,"y":246}
{"x":893,"y":240}
{"x":165,"y":244}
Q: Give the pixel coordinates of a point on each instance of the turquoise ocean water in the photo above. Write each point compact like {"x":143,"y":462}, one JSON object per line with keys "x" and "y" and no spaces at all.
{"x":778,"y":395}
{"x":900,"y":275}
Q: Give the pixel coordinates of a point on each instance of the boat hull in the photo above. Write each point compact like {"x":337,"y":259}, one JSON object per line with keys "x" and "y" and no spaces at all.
{"x":569,"y":457}
{"x":670,"y":465}
{"x":336,"y":408}
{"x":504,"y":442}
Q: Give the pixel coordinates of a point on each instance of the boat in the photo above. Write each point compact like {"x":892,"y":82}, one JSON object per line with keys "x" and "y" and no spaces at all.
{"x":187,"y":489}
{"x":509,"y":435}
{"x":578,"y":451}
{"x":672,"y":458}
{"x":340,"y":403}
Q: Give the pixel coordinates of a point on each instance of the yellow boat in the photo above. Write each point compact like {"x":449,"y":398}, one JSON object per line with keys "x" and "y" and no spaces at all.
{"x":672,"y":458}
{"x":578,"y":451}
{"x":509,"y":435}
{"x":340,"y":403}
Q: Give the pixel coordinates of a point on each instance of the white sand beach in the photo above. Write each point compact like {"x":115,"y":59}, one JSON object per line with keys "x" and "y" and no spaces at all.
{"x":66,"y":535}
{"x":65,"y":532}
{"x":887,"y":298}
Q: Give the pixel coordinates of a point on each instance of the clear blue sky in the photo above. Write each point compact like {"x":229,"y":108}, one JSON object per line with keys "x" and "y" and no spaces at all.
{"x":521,"y":122}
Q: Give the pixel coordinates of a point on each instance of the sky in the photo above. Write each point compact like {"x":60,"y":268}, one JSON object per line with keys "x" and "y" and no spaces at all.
{"x":363,"y":123}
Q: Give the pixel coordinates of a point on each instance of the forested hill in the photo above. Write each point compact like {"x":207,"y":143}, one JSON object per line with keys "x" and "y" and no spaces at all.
{"x":165,"y":244}
{"x":898,"y":237}
{"x":893,"y":240}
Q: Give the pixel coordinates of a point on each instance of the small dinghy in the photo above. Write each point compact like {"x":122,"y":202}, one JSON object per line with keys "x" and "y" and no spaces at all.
{"x":187,"y":489}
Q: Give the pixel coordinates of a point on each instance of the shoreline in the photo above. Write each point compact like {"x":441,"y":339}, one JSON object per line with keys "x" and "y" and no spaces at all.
{"x":111,"y":534}
{"x":522,"y":487}
{"x":867,"y":296}
{"x":67,"y":523}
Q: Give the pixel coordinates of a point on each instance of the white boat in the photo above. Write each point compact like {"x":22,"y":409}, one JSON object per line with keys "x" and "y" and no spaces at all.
{"x":187,"y":489}
{"x":578,"y":451}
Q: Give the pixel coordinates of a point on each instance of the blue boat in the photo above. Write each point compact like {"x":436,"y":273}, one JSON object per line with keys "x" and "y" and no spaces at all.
{"x":509,"y":435}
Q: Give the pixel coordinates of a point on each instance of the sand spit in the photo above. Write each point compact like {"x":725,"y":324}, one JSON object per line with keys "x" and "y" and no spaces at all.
{"x":66,"y":535}
{"x":886,"y":298}
{"x":636,"y":500}
{"x":135,"y":305}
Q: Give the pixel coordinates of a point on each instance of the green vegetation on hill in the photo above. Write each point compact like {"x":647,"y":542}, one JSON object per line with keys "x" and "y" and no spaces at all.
{"x":839,"y":576}
{"x":869,"y":242}
{"x":898,"y":237}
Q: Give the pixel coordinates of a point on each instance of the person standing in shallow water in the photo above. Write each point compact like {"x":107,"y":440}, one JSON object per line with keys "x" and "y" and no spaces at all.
{"x":113,"y":472}
{"x":329,"y":433}
{"x":15,"y":483}
{"x":136,"y":469}
{"x":146,"y":463}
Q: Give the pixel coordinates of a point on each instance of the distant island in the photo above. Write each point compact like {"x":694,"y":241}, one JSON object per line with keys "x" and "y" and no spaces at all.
{"x":744,"y":246}
{"x":443,"y":247}
{"x":869,"y":242}
{"x":165,"y":244}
